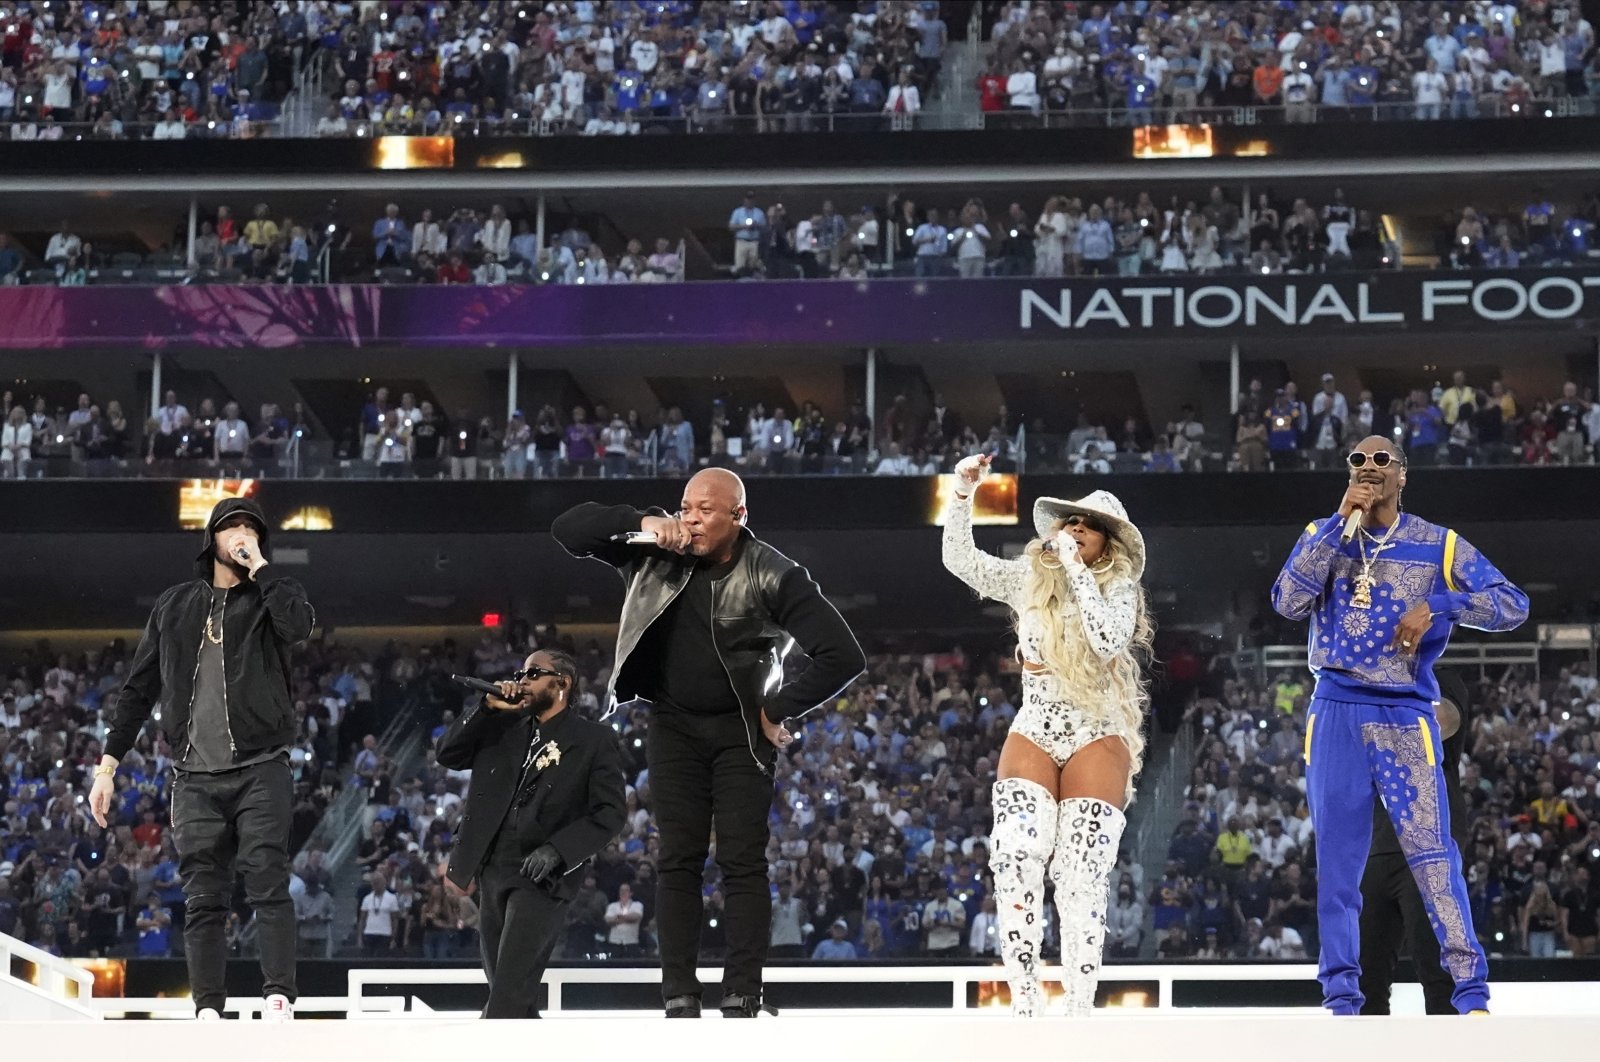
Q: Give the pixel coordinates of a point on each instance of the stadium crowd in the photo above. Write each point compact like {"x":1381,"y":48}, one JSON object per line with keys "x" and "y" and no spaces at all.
{"x":1470,"y":422}
{"x":879,"y":832}
{"x":1240,"y":879}
{"x":1144,"y":64}
{"x":72,"y":888}
{"x":159,"y":70}
{"x":604,"y":68}
{"x":1119,"y":235}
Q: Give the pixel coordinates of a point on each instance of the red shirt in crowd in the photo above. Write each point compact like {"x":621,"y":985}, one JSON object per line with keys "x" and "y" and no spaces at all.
{"x":455,"y":273}
{"x":991,"y":92}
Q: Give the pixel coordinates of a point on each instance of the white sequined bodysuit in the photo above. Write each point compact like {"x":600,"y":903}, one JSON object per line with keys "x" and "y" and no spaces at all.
{"x":1047,"y":717}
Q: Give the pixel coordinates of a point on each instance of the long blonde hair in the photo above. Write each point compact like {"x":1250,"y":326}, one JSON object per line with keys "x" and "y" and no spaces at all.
{"x":1114,"y":690}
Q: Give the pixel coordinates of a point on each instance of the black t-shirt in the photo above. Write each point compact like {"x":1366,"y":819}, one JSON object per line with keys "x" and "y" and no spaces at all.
{"x":209,"y":747}
{"x":425,"y":436}
{"x":546,"y":438}
{"x":1255,"y":897}
{"x":1582,"y":920}
{"x":676,"y":662}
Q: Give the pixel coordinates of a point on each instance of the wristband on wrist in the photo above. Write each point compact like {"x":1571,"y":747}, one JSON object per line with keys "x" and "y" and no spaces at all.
{"x":104,"y":770}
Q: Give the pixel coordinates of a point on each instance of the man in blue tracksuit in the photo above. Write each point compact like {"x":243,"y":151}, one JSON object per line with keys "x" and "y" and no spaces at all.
{"x":1382,"y":608}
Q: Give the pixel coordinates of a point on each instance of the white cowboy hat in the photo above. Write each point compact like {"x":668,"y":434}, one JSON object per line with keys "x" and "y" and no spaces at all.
{"x":1103,"y":506}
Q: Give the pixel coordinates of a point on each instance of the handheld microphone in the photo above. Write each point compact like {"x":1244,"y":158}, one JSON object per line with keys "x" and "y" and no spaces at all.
{"x":475,"y":684}
{"x":1352,"y":524}
{"x":637,"y":538}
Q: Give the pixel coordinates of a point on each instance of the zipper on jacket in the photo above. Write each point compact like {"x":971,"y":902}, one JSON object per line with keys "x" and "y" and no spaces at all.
{"x":750,"y":741}
{"x":616,"y":670}
{"x":194,"y":684}
{"x":222,"y":646}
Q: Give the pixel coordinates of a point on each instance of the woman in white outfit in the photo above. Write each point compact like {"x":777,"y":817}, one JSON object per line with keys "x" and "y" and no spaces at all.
{"x":1050,"y":248}
{"x":1066,"y":770}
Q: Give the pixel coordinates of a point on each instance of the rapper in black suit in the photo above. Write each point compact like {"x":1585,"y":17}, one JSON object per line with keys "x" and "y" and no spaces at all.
{"x":546,"y":795}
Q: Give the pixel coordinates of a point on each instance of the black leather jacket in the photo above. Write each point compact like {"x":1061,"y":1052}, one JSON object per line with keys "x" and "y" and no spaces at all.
{"x":748,"y":603}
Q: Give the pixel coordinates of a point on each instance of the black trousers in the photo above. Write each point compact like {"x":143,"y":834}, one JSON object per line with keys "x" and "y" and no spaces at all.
{"x":518,"y":923}
{"x":1391,"y":912}
{"x":703,"y":774}
{"x":223,"y":822}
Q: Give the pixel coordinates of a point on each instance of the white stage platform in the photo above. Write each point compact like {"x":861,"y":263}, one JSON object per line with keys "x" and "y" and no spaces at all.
{"x":1221,"y":1036}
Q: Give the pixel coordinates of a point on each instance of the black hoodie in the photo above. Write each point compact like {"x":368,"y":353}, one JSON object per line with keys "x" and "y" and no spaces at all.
{"x":261,"y":622}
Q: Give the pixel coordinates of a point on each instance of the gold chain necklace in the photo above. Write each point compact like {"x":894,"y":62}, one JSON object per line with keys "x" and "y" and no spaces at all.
{"x":211,"y":635}
{"x":1361,"y":595}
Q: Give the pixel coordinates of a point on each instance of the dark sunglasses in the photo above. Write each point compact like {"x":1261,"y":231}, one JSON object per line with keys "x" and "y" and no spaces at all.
{"x":1381,"y":459}
{"x":532,"y":672}
{"x":1078,"y":520}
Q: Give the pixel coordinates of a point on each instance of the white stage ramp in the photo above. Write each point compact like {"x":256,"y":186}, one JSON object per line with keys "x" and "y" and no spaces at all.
{"x":1212,"y":1037}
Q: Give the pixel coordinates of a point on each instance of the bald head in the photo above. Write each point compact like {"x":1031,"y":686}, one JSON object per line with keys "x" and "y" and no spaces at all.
{"x":713,"y":510}
{"x":719,"y":484}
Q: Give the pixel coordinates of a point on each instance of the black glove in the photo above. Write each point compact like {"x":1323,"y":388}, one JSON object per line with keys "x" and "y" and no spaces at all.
{"x":541,"y":864}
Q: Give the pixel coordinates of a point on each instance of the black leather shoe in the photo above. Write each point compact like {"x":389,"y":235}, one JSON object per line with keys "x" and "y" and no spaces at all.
{"x":746,"y":1007}
{"x":683,"y":1007}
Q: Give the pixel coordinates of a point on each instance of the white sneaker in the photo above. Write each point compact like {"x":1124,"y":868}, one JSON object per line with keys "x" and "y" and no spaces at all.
{"x":278,"y":1008}
{"x":209,"y":1014}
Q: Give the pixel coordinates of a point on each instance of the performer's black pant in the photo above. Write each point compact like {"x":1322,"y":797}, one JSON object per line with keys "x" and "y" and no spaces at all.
{"x":219,"y":821}
{"x":1392,"y":911}
{"x":518,"y":923}
{"x":703,"y":772}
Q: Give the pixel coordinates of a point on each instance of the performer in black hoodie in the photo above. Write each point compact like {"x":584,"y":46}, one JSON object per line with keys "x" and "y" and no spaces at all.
{"x":215,"y":655}
{"x":710,"y":612}
{"x":547,"y":794}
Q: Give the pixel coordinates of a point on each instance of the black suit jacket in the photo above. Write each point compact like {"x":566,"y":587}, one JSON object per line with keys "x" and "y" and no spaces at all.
{"x":575,"y":804}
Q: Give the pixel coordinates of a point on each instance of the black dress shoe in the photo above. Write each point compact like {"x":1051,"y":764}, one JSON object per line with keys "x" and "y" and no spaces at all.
{"x":746,"y":1007}
{"x":683,"y":1007}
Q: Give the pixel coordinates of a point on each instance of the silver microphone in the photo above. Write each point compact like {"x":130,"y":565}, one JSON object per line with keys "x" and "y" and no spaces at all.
{"x":1352,"y":524}
{"x":637,"y":538}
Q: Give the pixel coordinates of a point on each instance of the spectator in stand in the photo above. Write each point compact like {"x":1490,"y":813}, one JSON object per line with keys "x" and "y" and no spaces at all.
{"x":580,"y":442}
{"x":664,"y":265}
{"x":10,"y":261}
{"x":490,"y":273}
{"x":836,"y":946}
{"x":932,"y":244}
{"x":1096,"y":243}
{"x":904,"y":98}
{"x":390,"y":237}
{"x":454,"y":270}
{"x":624,"y":916}
{"x":748,"y":223}
{"x":971,"y":242}
{"x":514,"y":447}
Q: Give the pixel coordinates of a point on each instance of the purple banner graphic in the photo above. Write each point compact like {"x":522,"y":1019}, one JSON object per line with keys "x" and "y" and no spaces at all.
{"x":777,"y":313}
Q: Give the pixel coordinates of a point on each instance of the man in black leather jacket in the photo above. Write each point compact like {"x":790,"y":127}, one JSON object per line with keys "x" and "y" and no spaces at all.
{"x":710,"y":612}
{"x":216,"y":656}
{"x":546,"y":795}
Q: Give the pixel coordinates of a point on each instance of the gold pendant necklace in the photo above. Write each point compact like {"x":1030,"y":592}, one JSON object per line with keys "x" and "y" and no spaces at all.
{"x":211,"y":635}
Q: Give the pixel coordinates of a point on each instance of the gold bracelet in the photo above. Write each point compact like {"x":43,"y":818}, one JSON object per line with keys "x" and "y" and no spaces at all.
{"x":104,"y":770}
